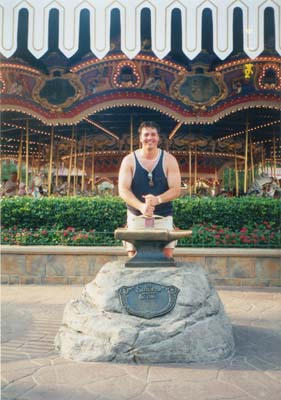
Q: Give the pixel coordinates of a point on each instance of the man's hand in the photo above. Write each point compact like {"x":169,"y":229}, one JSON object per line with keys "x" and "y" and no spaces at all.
{"x":151,"y":200}
{"x":147,"y":209}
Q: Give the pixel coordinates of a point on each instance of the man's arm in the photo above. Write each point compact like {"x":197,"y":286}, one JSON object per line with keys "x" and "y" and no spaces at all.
{"x":124,"y":187}
{"x":174,"y":183}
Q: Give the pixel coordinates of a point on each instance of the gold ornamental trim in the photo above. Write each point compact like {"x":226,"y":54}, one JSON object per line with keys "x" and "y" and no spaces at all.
{"x":58,"y":91}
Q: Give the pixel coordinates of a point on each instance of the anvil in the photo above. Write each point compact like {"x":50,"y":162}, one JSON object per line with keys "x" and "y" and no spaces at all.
{"x":149,"y":244}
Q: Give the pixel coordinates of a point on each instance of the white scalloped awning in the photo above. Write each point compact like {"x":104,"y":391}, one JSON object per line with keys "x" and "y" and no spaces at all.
{"x":130,"y":14}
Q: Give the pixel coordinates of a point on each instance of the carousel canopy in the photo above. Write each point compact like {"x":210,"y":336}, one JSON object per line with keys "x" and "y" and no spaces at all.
{"x":100,"y":13}
{"x":89,"y":72}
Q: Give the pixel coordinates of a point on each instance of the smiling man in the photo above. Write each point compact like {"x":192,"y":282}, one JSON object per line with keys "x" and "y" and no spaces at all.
{"x":149,"y":179}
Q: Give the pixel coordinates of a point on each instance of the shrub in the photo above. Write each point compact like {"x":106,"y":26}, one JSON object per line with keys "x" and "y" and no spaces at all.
{"x":253,"y":235}
{"x":64,"y":237}
{"x":99,"y":213}
{"x":228,"y":222}
{"x":202,"y":236}
{"x":232,"y":213}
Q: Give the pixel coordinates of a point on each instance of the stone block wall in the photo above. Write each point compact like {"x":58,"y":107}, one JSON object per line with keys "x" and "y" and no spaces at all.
{"x":79,"y":265}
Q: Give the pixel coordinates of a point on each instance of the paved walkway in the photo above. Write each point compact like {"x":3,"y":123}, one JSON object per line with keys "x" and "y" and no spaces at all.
{"x":33,"y":370}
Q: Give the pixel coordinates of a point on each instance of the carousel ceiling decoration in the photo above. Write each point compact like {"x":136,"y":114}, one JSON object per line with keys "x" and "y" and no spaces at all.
{"x":188,"y":96}
{"x":130,"y":16}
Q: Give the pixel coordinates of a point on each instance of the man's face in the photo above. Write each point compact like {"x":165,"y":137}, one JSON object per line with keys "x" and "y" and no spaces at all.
{"x":149,"y":137}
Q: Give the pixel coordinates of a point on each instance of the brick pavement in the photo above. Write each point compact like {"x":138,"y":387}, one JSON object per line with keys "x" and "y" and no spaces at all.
{"x":33,"y":370}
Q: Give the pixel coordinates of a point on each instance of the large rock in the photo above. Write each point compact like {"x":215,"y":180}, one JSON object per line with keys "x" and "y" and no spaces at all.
{"x":96,"y":327}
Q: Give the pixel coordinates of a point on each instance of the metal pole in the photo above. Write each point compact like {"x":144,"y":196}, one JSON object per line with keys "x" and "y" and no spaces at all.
{"x":195,"y":171}
{"x":229,"y":178}
{"x":190,"y":183}
{"x":39,"y":155}
{"x":20,"y":156}
{"x":43,"y":148}
{"x":252,"y":159}
{"x":51,"y":162}
{"x":26,"y":153}
{"x":246,"y":156}
{"x":274,"y":156}
{"x":262,"y":159}
{"x":75,"y":168}
{"x":32,"y":165}
{"x":83,"y":164}
{"x":236,"y":175}
{"x":93,"y":167}
{"x":174,"y":131}
{"x":57,"y":165}
{"x":70,"y":162}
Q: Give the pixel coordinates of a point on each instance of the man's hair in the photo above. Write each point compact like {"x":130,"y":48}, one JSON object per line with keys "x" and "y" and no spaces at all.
{"x":149,"y":124}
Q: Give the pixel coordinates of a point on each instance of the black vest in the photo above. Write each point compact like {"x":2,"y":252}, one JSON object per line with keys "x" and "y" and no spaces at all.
{"x":140,"y":186}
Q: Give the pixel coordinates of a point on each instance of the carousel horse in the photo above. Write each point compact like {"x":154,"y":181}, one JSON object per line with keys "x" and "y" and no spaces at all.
{"x":264,"y":186}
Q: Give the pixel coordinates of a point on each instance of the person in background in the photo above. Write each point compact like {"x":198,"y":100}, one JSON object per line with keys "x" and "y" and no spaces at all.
{"x":149,"y":179}
{"x":11,"y":185}
{"x":22,"y":191}
{"x":37,"y":185}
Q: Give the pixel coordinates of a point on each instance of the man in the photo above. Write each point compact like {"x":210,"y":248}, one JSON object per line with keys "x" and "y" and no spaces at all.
{"x":11,"y":185}
{"x":149,"y":179}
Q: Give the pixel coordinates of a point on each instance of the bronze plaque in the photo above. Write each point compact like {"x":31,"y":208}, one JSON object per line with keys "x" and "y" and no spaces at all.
{"x":148,"y":300}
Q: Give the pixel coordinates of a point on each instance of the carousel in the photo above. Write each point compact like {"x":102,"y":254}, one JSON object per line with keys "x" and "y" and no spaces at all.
{"x":77,"y":79}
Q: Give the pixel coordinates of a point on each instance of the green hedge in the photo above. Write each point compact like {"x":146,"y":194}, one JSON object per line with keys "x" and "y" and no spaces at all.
{"x":105,"y":214}
{"x":233,"y":213}
{"x":99,"y":213}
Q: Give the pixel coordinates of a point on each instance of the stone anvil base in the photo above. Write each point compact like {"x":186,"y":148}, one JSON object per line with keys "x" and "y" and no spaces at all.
{"x":97,"y":326}
{"x":150,"y":244}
